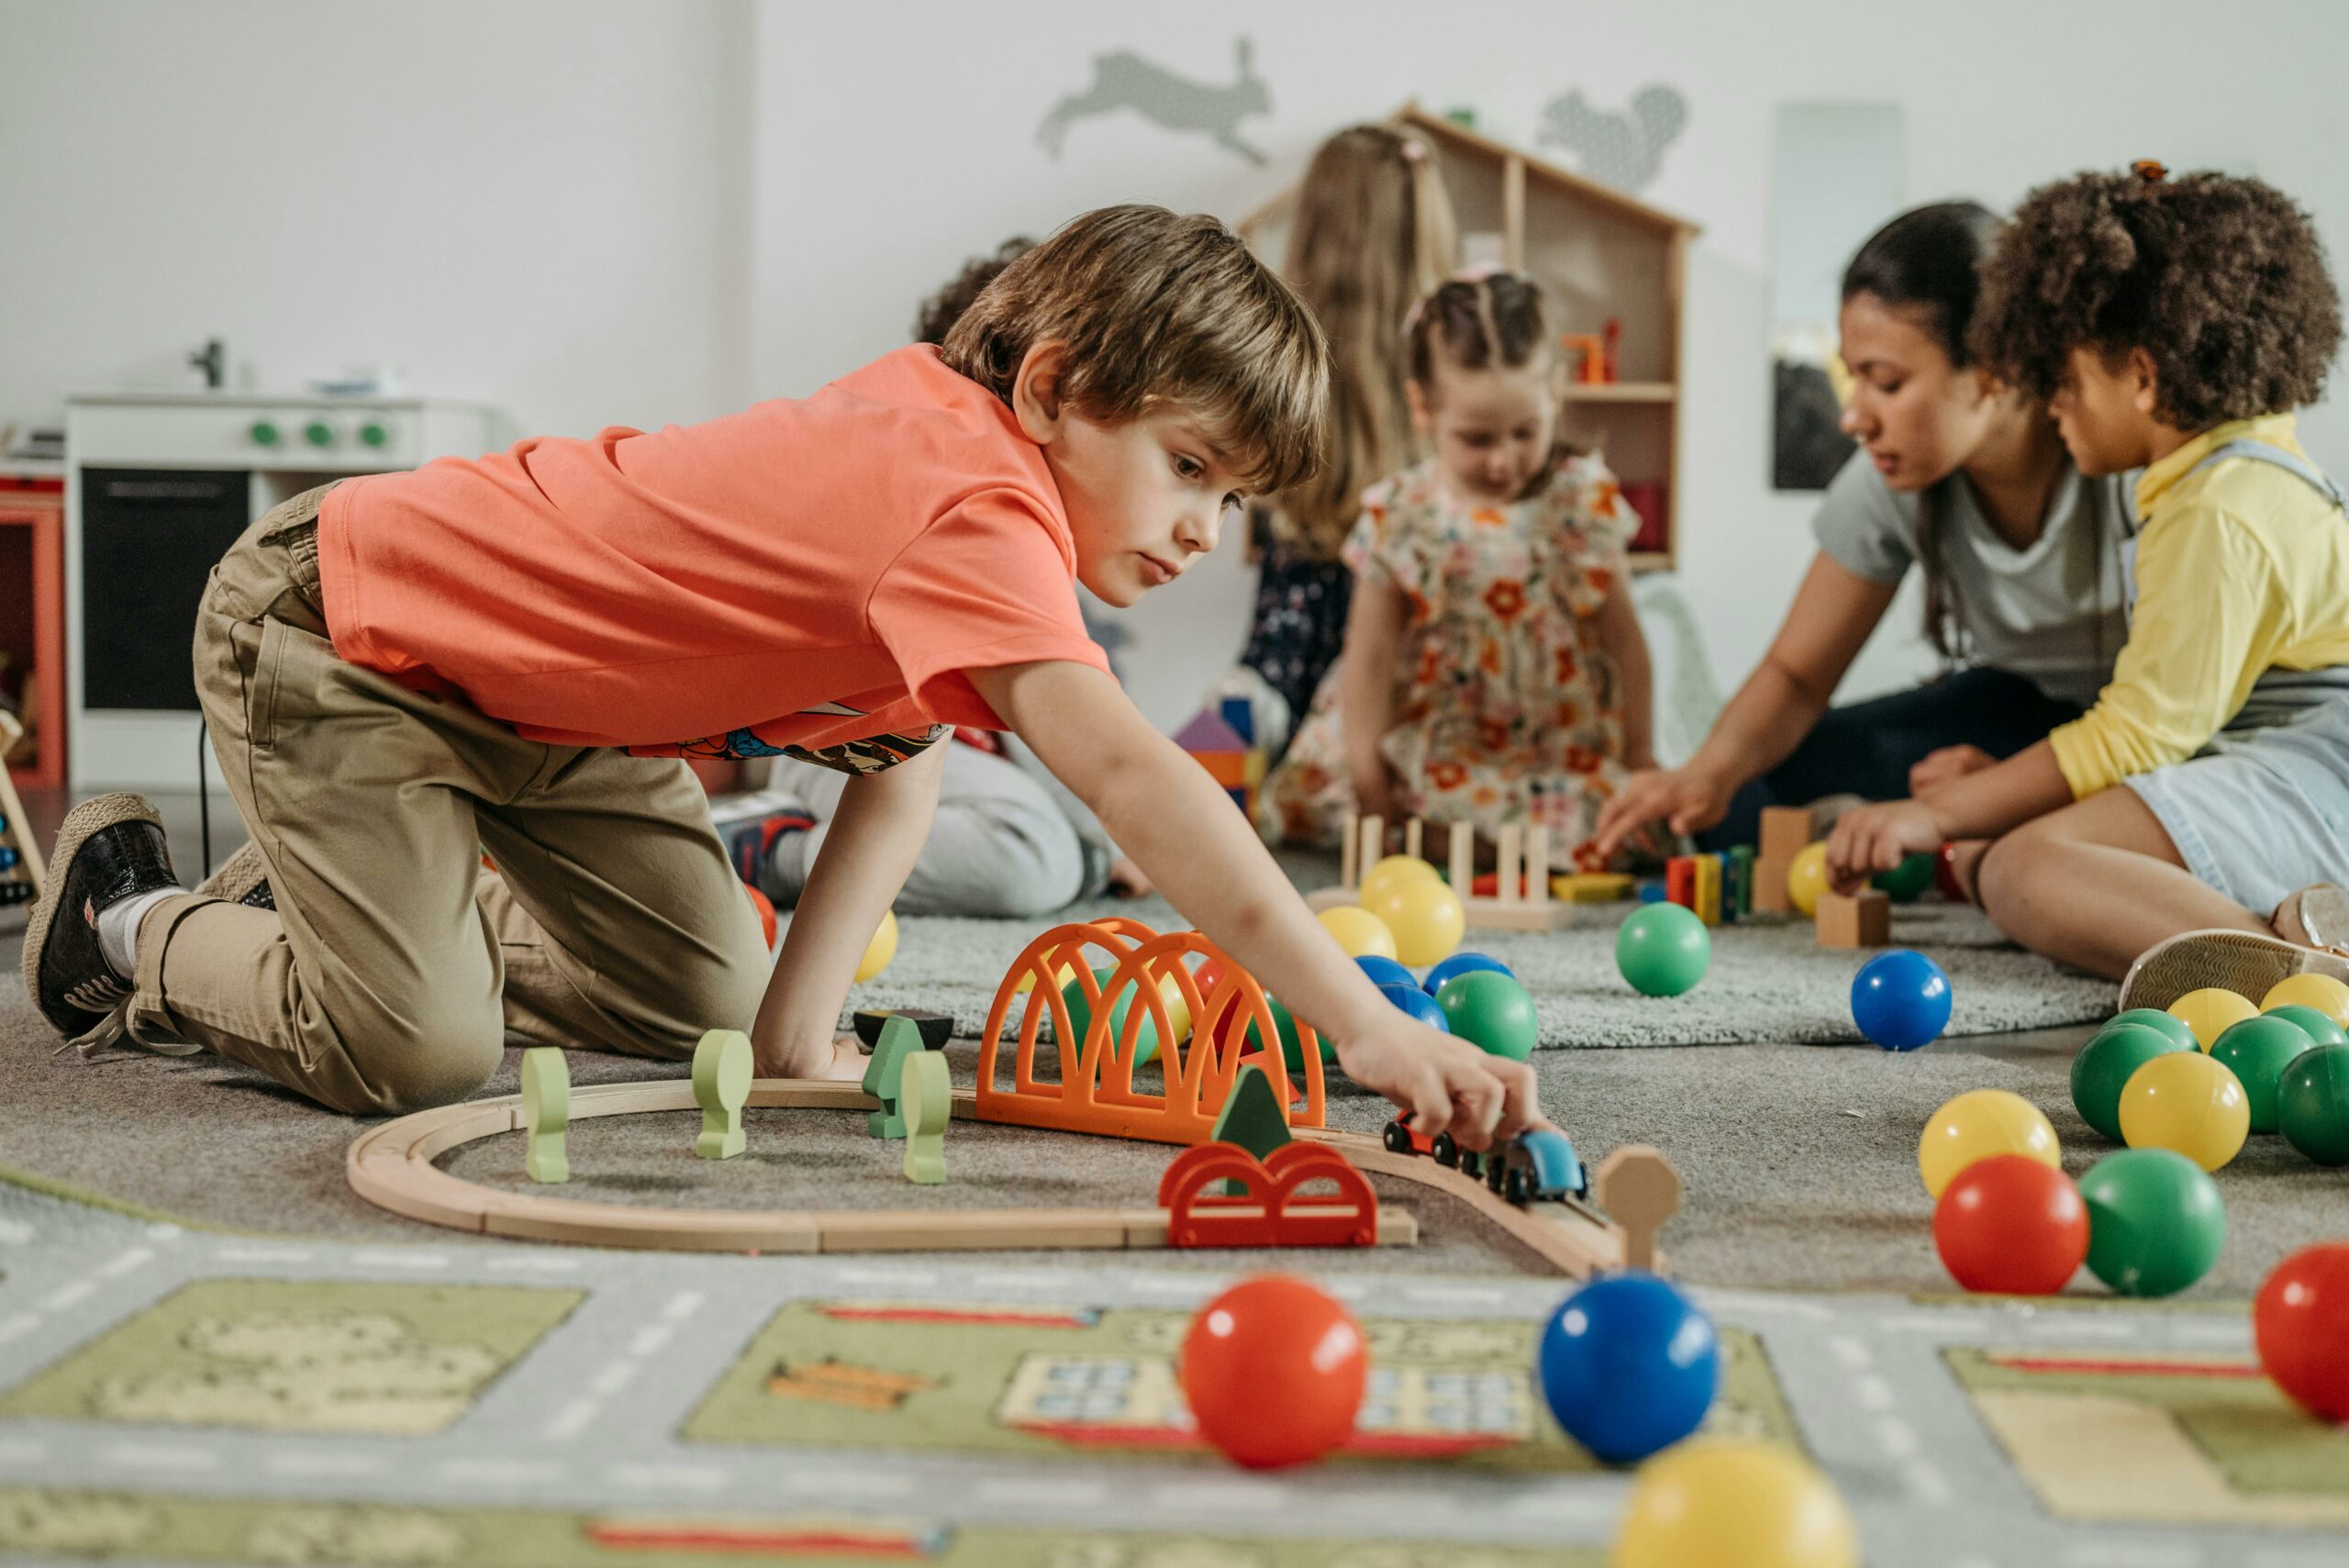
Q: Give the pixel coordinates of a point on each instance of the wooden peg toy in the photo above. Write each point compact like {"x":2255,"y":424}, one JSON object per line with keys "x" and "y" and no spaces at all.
{"x":1639,"y":1190}
{"x":1862,"y":920}
{"x":721,"y":1087}
{"x":546,"y":1114}
{"x":926,"y":1095}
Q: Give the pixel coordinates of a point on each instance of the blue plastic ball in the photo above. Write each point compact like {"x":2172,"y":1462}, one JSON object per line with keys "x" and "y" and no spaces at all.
{"x":1385,"y":971}
{"x":1629,"y":1366}
{"x":1419,"y":1003}
{"x":1463,"y":963}
{"x":1901,"y":999}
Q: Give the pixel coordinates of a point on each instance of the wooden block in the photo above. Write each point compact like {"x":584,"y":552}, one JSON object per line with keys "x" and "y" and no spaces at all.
{"x":1741,"y":859}
{"x":1464,"y":860}
{"x":1537,"y":865}
{"x":1862,"y":920}
{"x":546,"y":1114}
{"x":721,"y":1086}
{"x":1639,"y":1190}
{"x":1680,"y":881}
{"x":1706,"y":872}
{"x":1591,"y":886}
{"x":1414,"y":837}
{"x":1785,"y":831}
{"x":925,"y":1092}
{"x":1509,"y":866}
{"x":1374,"y":846}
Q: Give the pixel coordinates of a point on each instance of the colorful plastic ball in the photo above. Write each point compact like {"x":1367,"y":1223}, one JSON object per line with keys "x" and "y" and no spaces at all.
{"x":1390,"y":871}
{"x":1080,"y":1014}
{"x":2300,"y":1322}
{"x":1383,"y":971}
{"x":1419,"y":1003}
{"x":881,"y":949}
{"x":1426,"y":917}
{"x":2154,"y":1019}
{"x":2320,"y":992}
{"x":1064,"y":974}
{"x":2011,"y":1226}
{"x":2186,"y":1103}
{"x":1492,"y":1012}
{"x":765,"y":908}
{"x":1906,"y":882}
{"x":1273,"y":1371}
{"x":2320,"y":1029}
{"x":1976,"y":1124}
{"x":1807,"y":878}
{"x":1463,"y":963}
{"x":2256,"y":1051}
{"x":1734,"y":1504}
{"x":2107,"y":1063}
{"x":1629,"y":1365}
{"x":2156,"y":1221}
{"x":2313,"y":1104}
{"x":1359,"y":932}
{"x":1901,"y":999}
{"x":2211,"y":1012}
{"x":1663,"y":949}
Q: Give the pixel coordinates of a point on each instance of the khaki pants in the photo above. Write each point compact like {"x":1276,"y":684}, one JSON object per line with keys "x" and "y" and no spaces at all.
{"x":396,"y":968}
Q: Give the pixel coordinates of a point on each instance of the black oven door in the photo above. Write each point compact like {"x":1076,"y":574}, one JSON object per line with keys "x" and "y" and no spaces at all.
{"x":149,"y":539}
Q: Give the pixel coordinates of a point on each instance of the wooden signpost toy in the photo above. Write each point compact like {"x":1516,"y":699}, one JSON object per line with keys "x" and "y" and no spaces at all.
{"x":926,"y":1096}
{"x":1639,"y":1191}
{"x":1864,"y":919}
{"x":721,"y":1084}
{"x":546,"y":1114}
{"x":1786,"y":833}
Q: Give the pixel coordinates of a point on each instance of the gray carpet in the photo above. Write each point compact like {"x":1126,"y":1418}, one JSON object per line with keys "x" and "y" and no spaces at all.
{"x":1770,"y":980}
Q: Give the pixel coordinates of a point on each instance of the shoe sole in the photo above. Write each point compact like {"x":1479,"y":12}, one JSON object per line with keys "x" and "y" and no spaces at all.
{"x":2241,"y":961}
{"x":2317,"y":916}
{"x":91,"y":816}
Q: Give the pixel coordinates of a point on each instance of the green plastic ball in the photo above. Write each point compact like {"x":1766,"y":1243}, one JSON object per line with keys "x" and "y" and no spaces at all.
{"x":1491,"y":1011}
{"x":2313,"y":1104}
{"x":1907,"y":880}
{"x":2156,"y":1221}
{"x":2169,"y":1024}
{"x":2318,"y":1026}
{"x":1080,"y":1016}
{"x":2101,"y":1070}
{"x":2256,"y":1051}
{"x":1663,"y":949}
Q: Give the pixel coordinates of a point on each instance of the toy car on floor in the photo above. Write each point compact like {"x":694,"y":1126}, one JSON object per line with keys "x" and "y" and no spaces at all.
{"x":1402,"y":1138}
{"x":1540,"y":1166}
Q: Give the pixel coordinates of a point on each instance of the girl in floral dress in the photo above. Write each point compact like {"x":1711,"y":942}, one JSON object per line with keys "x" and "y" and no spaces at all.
{"x":1494,"y":672}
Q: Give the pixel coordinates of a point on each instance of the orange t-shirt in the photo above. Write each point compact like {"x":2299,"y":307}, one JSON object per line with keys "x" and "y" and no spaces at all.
{"x":795,"y":577}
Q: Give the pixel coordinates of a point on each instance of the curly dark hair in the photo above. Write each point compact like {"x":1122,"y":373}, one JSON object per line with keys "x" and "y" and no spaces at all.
{"x":942,"y":309}
{"x":2220,"y":280}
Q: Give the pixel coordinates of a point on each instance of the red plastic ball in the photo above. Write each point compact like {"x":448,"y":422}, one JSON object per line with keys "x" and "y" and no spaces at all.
{"x":1274,"y":1369}
{"x":2010,"y":1226}
{"x":766,"y":914}
{"x":2301,"y":1324}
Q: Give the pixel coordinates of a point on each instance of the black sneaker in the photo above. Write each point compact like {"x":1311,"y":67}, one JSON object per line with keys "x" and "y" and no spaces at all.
{"x":110,"y":849}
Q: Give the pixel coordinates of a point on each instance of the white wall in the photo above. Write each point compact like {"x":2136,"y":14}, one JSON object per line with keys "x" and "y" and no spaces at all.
{"x":595,"y":211}
{"x":541,"y":203}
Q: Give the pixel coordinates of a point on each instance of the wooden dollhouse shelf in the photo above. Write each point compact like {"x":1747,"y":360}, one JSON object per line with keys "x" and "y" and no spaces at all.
{"x":1621,"y":392}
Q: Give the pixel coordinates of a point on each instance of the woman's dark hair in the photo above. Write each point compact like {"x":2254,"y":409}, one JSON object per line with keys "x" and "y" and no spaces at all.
{"x":1927,"y":263}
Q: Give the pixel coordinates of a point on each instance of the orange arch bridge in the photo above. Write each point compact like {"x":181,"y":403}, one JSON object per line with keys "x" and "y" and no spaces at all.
{"x":1095,"y":1091}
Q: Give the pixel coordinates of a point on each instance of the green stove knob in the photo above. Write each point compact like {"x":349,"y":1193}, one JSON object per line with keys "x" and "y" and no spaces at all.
{"x":318,"y":433}
{"x":263,"y":432}
{"x":375,"y":434}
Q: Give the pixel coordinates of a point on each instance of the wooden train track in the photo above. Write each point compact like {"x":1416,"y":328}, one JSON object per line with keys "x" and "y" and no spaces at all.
{"x":393,"y":1167}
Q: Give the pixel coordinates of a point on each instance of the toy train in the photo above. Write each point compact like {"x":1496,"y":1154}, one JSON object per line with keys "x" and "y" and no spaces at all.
{"x":1539,"y":1166}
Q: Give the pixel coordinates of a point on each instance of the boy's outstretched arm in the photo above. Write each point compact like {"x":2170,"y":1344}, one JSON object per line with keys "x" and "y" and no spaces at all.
{"x":1169,"y":816}
{"x":874,"y":839}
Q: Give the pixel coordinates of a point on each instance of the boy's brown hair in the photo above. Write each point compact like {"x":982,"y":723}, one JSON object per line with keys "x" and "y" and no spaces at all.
{"x":1160,"y":310}
{"x":2220,"y":280}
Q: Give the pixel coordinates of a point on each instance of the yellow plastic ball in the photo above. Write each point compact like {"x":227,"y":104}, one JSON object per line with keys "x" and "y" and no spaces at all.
{"x":1425,"y":917}
{"x":881,"y":949}
{"x":1377,"y":878}
{"x":1807,"y":878}
{"x":1733,"y":1504}
{"x":1060,"y":977}
{"x":1359,"y":931}
{"x":2320,"y":993}
{"x":2186,"y":1102}
{"x":1979,"y":1124}
{"x":2211,"y":1012}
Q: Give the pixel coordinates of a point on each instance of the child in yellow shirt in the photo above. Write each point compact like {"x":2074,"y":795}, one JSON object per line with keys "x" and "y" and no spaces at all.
{"x":2175,"y":325}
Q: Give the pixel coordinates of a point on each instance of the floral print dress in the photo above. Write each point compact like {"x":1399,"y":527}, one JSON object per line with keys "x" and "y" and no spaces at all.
{"x":1504,"y":710}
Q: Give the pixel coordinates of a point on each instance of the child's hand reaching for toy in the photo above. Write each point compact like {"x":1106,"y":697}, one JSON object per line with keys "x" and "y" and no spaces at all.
{"x":1870,"y":839}
{"x":1444,"y":1082}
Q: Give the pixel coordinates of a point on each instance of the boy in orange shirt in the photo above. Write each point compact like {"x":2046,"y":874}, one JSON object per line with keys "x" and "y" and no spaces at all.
{"x":513,"y":653}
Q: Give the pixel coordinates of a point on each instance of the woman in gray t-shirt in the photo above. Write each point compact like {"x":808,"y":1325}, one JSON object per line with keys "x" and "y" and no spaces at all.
{"x":1962,"y":478}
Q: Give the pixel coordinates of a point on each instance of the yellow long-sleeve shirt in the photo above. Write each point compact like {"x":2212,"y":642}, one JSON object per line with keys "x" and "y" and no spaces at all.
{"x":2242,"y":567}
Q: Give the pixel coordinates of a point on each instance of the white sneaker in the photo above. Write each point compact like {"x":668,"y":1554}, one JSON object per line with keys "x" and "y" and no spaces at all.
{"x":2241,"y":961}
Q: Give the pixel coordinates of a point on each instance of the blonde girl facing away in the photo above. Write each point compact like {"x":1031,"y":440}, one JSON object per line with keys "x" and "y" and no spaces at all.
{"x":1373,"y":233}
{"x":1494,"y":672}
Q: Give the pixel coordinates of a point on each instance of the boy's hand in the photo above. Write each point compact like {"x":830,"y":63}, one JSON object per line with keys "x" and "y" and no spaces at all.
{"x":1870,"y":839}
{"x":1444,"y":1082}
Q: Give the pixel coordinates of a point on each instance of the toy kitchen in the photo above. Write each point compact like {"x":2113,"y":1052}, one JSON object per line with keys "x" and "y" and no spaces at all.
{"x":157,"y":487}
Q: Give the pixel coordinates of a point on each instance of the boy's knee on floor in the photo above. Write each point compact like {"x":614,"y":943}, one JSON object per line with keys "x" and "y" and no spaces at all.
{"x":435,"y":1056}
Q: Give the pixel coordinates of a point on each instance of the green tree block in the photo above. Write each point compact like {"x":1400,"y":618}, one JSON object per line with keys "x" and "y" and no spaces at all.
{"x":546,"y":1114}
{"x":721,"y":1087}
{"x":926,"y":1095}
{"x":899,"y":1040}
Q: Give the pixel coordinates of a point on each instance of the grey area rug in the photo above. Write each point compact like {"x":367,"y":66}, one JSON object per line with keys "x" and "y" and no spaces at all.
{"x":1770,"y":981}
